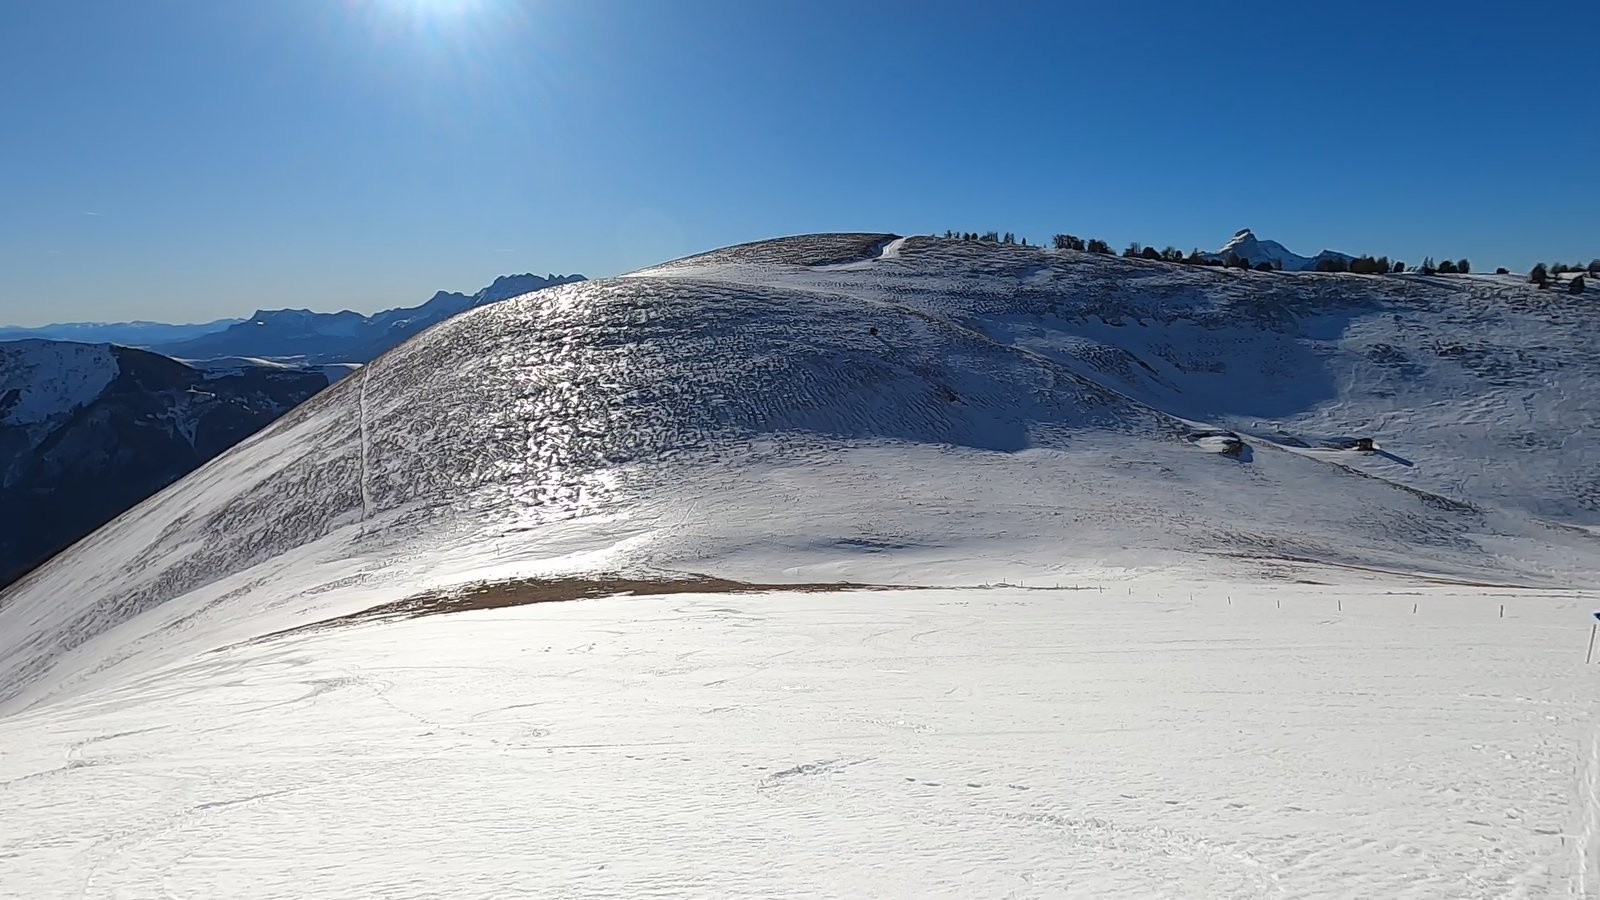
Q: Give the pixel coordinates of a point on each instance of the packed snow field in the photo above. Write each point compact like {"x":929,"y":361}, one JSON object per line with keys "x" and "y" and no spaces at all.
{"x":1006,"y":742}
{"x":1233,"y":656}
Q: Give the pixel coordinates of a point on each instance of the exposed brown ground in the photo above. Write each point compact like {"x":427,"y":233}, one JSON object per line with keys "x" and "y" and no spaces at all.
{"x":528,"y":591}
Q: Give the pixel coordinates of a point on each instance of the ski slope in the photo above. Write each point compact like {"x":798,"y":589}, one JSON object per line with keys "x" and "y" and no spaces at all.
{"x":1167,"y":634}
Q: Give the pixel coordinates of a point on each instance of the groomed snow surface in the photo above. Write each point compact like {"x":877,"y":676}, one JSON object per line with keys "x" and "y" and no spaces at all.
{"x":1147,"y":737}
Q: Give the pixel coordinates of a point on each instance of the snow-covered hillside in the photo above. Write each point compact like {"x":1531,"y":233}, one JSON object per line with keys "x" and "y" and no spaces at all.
{"x":44,"y":379}
{"x":1286,"y":671}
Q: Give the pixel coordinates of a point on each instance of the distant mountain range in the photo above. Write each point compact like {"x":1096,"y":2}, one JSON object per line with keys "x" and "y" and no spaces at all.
{"x":298,"y":335}
{"x":128,"y":334}
{"x":88,"y":430}
{"x":1245,"y":244}
{"x":344,"y":337}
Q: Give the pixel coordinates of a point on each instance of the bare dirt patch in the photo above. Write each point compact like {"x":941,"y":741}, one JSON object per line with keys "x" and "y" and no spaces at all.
{"x":528,"y":591}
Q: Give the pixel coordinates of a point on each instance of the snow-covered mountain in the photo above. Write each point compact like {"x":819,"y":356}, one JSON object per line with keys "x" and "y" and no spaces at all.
{"x":316,"y":338}
{"x":88,"y":430}
{"x":1248,"y":659}
{"x":129,"y":334}
{"x":1245,"y":244}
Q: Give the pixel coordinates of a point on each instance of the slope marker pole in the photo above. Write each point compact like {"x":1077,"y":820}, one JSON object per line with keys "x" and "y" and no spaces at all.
{"x":1590,"y":654}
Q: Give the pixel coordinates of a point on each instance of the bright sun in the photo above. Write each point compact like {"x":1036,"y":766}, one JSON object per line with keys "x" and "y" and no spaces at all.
{"x":436,"y":19}
{"x":441,"y":7}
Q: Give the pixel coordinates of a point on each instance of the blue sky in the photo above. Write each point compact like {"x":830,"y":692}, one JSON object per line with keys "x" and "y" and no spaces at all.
{"x":183,"y":160}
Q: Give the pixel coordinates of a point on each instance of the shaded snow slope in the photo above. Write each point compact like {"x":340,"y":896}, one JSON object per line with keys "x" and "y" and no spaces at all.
{"x":89,"y":430}
{"x":1483,"y":390}
{"x":866,"y":408}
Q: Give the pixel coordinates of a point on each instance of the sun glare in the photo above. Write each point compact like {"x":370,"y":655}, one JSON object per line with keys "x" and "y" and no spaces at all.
{"x":441,"y":7}
{"x":458,"y":29}
{"x":437,"y":15}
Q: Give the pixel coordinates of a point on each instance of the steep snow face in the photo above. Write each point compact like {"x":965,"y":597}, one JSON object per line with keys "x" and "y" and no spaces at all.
{"x":943,"y":413}
{"x":1245,"y":244}
{"x":44,"y":380}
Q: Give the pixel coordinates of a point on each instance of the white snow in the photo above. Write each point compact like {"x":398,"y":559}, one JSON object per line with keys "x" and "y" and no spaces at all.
{"x":51,"y":378}
{"x":1162,"y":738}
{"x":1287,"y":672}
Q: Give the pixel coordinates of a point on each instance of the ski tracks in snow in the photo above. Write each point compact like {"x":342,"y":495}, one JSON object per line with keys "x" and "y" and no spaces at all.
{"x":1589,"y":831}
{"x":365,"y":441}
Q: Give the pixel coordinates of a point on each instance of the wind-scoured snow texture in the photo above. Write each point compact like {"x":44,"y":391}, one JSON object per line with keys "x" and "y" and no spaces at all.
{"x":867,"y":408}
{"x":1485,"y":392}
